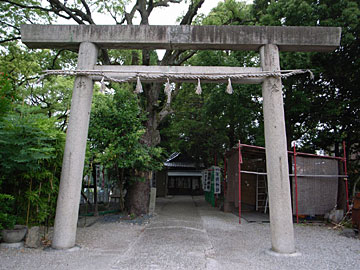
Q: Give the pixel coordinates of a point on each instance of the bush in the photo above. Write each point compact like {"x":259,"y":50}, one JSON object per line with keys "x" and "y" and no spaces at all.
{"x":31,"y":149}
{"x":7,"y":219}
{"x":7,"y":94}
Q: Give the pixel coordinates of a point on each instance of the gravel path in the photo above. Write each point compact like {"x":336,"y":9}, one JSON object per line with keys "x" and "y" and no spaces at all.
{"x":187,"y":233}
{"x":243,"y":246}
{"x":100,"y":244}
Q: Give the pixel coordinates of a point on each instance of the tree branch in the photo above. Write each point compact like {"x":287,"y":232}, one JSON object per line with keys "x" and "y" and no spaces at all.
{"x":173,"y":57}
{"x":10,"y":25}
{"x":88,"y":12}
{"x":191,"y":13}
{"x":63,"y":16}
{"x":150,"y":6}
{"x":165,"y":3}
{"x":143,"y":12}
{"x":166,"y":58}
{"x":185,"y":58}
{"x":27,"y":79}
{"x":9,"y":39}
{"x":170,"y":57}
{"x":76,"y":14}
{"x":57,"y":7}
{"x":105,"y":57}
{"x":25,"y":6}
{"x":115,"y":19}
{"x":130,"y":16}
{"x":56,"y":57}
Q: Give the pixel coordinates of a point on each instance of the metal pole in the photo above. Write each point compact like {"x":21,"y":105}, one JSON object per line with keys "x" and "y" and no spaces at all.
{"x":291,"y":152}
{"x":215,"y":195}
{"x":296,"y":187}
{"x":225,"y":171}
{"x":346,"y":179}
{"x":240,"y":161}
{"x":96,"y":212}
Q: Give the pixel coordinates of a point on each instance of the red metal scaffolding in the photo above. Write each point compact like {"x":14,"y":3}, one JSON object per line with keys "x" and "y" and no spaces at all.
{"x":295,"y":154}
{"x":346,"y":178}
{"x":296,"y":190}
{"x":240,"y":161}
{"x":225,"y":170}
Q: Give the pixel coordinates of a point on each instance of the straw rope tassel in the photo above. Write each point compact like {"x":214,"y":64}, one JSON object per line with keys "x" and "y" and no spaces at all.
{"x":312,"y":77}
{"x":139,"y":88}
{"x":102,"y":87}
{"x":229,"y":88}
{"x":167,"y":91}
{"x":198,"y":88}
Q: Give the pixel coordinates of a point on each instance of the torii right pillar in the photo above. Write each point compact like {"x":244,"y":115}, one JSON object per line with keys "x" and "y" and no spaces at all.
{"x":281,"y":223}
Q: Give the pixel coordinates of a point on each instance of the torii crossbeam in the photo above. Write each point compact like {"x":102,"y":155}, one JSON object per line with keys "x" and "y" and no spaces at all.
{"x":269,"y":40}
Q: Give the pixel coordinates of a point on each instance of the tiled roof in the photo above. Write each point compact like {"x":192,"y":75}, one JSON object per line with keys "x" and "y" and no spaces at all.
{"x":176,"y":160}
{"x":180,"y":164}
{"x":172,"y":156}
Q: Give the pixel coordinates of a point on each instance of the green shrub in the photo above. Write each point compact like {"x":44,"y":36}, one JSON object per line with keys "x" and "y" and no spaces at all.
{"x":31,"y":148}
{"x":7,"y":94}
{"x":7,"y":219}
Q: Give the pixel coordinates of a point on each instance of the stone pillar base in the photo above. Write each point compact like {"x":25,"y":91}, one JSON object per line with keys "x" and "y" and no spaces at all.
{"x":282,"y":255}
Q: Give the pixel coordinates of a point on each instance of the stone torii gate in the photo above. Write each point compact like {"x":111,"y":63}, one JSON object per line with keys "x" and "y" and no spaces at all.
{"x":87,"y":39}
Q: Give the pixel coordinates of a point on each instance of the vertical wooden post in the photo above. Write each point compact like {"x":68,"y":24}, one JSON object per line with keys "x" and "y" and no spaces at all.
{"x":281,"y":224}
{"x":74,"y":154}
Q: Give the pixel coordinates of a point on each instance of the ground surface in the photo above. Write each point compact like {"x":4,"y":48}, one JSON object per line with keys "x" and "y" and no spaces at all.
{"x":187,"y":233}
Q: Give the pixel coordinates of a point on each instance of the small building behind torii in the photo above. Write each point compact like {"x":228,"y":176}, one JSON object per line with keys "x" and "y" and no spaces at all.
{"x":181,"y":176}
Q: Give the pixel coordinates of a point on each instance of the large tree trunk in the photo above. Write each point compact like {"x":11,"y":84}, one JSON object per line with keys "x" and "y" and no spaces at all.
{"x":120,"y":177}
{"x":138,"y":195}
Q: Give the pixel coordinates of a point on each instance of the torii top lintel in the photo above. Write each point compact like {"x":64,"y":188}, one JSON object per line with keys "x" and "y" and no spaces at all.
{"x":287,"y":38}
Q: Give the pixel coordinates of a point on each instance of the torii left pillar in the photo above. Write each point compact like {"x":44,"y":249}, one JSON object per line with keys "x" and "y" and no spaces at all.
{"x":74,"y":155}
